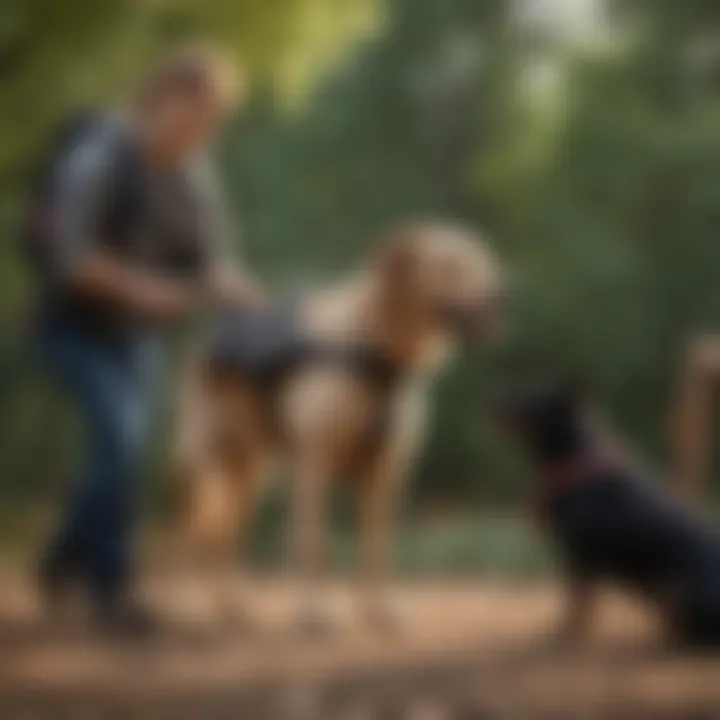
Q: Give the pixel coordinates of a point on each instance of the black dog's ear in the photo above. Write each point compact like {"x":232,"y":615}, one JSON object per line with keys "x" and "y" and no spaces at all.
{"x":574,"y":389}
{"x":509,"y":408}
{"x":503,"y":406}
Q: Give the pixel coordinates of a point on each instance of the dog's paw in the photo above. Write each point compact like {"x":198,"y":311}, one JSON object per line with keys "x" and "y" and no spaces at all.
{"x":383,"y":616}
{"x":315,"y":620}
{"x":235,"y":618}
{"x":562,"y":639}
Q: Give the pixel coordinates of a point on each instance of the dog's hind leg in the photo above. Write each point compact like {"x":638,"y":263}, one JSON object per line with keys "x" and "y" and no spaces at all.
{"x":209,"y":525}
{"x":222,"y":498}
{"x":246,"y":479}
{"x":219,"y":457}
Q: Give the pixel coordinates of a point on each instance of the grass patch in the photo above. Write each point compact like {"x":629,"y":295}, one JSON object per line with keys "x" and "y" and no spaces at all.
{"x":482,"y":544}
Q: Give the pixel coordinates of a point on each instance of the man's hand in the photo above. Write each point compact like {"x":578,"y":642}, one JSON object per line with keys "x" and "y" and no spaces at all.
{"x":161,"y":299}
{"x":103,"y":277}
{"x":230,"y":286}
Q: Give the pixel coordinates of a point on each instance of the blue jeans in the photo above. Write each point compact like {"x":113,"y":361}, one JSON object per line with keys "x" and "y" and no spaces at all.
{"x":112,"y":386}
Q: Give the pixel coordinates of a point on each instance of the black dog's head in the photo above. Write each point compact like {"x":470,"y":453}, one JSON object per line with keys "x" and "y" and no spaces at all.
{"x":547,"y":419}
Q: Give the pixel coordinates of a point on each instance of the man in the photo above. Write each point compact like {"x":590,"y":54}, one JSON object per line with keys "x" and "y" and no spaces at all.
{"x":132,"y":235}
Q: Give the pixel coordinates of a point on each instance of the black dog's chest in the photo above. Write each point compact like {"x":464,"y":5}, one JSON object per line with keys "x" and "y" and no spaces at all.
{"x":620,"y":532}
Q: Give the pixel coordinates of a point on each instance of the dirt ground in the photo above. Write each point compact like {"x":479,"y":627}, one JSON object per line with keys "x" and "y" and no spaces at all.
{"x":466,"y":650}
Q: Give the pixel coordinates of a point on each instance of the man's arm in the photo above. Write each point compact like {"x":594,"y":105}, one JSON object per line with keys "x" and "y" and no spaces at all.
{"x":227,"y":281}
{"x":84,"y":185}
{"x":229,"y":284}
{"x":101,"y":276}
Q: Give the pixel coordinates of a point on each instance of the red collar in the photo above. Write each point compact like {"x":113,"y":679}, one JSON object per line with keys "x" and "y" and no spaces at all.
{"x":558,"y":477}
{"x":567,"y":474}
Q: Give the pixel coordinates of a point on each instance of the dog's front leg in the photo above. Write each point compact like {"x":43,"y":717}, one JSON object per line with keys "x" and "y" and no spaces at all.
{"x":375,"y":509}
{"x":378,"y":489}
{"x":308,"y":538}
{"x":378,"y":493}
{"x":580,"y":604}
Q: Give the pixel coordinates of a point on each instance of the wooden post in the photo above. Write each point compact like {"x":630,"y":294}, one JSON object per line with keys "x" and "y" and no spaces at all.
{"x":693,"y":419}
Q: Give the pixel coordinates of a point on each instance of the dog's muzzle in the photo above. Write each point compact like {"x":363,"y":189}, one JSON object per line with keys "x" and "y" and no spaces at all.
{"x":479,"y":322}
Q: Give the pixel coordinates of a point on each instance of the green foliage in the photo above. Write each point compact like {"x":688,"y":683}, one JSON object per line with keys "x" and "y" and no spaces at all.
{"x":55,"y":54}
{"x":595,"y":169}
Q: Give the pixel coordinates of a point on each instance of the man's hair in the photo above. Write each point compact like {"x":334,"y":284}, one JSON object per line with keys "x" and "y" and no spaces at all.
{"x":191,"y":70}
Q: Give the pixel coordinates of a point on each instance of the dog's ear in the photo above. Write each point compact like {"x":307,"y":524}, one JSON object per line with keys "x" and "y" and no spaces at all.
{"x":398,"y":255}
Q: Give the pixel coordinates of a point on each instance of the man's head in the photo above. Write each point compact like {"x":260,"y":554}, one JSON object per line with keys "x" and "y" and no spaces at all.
{"x":184,"y":98}
{"x":447,"y":274}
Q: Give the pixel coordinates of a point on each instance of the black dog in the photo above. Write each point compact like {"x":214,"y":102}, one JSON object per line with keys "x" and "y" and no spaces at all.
{"x":611,"y":525}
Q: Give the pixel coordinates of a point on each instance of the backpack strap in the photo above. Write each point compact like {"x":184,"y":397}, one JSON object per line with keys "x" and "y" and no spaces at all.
{"x":36,"y":235}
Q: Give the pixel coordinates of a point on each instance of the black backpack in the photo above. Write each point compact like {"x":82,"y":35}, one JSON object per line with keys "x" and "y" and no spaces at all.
{"x":126,"y":207}
{"x":37,"y":226}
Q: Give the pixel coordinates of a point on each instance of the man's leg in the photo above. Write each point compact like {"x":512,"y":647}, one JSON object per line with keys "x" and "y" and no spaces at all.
{"x":105,"y":508}
{"x":78,"y":365}
{"x":119,"y":444}
{"x":94,"y":539}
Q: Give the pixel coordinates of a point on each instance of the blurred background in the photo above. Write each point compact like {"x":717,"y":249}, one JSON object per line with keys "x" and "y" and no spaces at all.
{"x":582,"y":135}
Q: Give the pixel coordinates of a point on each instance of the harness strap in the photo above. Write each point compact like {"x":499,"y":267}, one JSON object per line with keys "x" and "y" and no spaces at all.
{"x":371,"y":365}
{"x":560,"y":477}
{"x":268,"y":348}
{"x":380,"y":372}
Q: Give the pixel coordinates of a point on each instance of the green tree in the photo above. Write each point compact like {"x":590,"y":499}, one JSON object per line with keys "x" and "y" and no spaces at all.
{"x":56,"y":53}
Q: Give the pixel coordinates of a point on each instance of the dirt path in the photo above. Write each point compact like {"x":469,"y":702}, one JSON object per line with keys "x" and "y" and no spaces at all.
{"x":468,"y":651}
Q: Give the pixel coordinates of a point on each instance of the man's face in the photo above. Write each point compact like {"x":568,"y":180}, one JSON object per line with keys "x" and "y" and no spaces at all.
{"x":188,"y":121}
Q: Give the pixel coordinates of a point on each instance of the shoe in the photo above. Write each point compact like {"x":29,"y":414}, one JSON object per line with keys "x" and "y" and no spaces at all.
{"x":55,"y":583}
{"x":126,"y":618}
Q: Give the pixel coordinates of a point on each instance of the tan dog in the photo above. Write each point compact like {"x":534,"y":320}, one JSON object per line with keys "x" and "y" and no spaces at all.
{"x":330,"y":418}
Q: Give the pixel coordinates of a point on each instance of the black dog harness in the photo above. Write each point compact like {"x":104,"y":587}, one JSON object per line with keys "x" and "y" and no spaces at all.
{"x":268,"y":346}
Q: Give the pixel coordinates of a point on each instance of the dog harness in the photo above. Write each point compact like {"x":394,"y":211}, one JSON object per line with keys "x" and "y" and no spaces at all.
{"x":268,"y":346}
